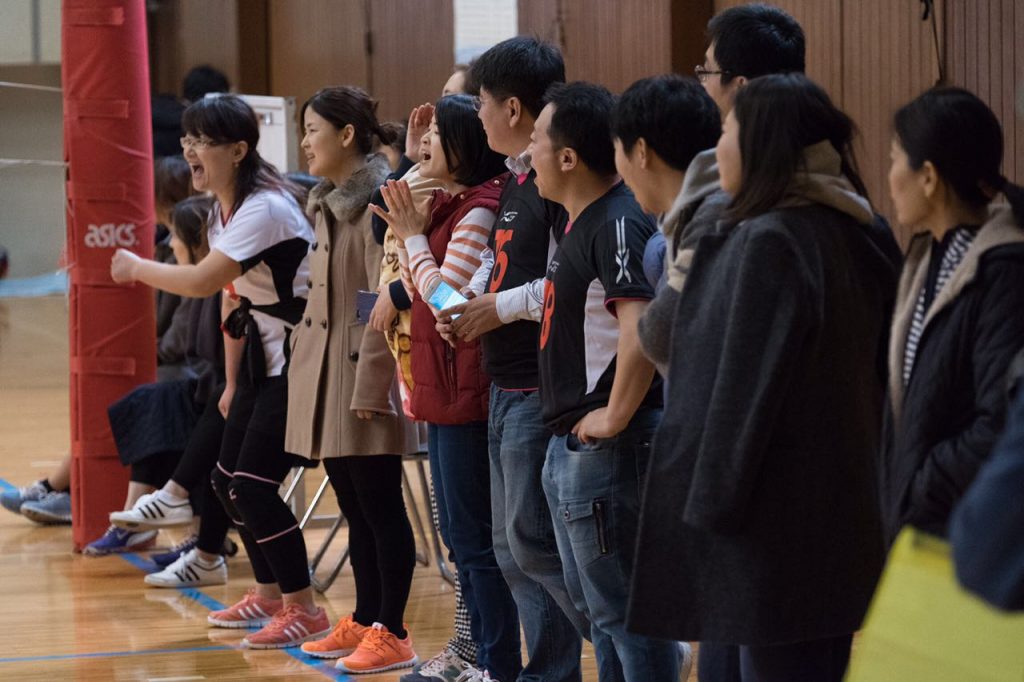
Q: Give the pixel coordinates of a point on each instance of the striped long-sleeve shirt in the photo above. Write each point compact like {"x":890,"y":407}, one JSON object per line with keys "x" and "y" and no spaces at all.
{"x":422,"y":273}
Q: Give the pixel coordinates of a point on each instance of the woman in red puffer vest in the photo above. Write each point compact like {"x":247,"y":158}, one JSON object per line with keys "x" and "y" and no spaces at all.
{"x":444,"y":242}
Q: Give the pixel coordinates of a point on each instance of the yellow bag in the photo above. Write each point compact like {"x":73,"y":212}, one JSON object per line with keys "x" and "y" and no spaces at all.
{"x":924,"y":627}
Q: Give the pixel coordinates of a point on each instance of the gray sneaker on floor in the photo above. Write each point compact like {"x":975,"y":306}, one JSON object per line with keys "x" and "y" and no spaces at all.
{"x":13,"y":499}
{"x":53,"y":507}
{"x":445,"y":667}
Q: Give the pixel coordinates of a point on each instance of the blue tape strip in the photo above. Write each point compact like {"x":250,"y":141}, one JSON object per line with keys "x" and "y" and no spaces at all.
{"x":140,"y":563}
{"x":326,"y":669}
{"x":200,"y":598}
{"x":111,"y":654}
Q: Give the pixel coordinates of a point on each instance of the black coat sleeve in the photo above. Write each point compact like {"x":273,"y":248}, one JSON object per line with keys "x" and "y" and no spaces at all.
{"x":988,"y":525}
{"x":768,"y":321}
{"x":378,"y":226}
{"x":950,"y":467}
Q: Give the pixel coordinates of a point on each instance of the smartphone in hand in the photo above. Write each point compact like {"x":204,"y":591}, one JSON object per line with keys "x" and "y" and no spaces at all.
{"x":445,"y":296}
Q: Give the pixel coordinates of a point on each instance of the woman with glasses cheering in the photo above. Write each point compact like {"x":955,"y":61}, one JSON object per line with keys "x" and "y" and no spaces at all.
{"x":259,"y":245}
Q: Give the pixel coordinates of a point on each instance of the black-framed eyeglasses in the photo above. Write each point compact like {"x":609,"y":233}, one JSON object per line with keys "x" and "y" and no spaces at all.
{"x":703,"y":73}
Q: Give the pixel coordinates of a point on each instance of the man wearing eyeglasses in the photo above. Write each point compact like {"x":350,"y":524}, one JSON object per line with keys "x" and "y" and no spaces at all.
{"x":746,"y":42}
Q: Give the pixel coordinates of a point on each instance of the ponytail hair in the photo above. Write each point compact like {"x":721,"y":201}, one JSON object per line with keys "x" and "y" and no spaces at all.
{"x":350,"y":105}
{"x":226,"y":119}
{"x":958,"y":133}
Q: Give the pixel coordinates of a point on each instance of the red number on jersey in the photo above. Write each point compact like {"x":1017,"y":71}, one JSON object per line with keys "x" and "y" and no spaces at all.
{"x":549,"y":309}
{"x":501,"y":238}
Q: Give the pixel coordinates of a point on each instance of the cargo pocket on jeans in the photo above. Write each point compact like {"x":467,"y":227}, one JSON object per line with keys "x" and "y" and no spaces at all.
{"x":588,"y":523}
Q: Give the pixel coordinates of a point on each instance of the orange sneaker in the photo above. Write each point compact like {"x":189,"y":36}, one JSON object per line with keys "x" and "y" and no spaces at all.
{"x":253,"y":611}
{"x":342,"y":641}
{"x":292,"y":626}
{"x":379,"y":651}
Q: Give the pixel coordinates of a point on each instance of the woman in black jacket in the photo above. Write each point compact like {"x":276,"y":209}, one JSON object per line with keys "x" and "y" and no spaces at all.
{"x":760,"y":523}
{"x":959,"y":318}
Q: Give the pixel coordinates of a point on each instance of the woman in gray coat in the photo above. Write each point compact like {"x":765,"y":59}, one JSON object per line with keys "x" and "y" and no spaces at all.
{"x":760,"y":524}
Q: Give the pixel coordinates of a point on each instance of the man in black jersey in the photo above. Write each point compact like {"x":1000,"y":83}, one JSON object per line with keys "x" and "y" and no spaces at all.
{"x":513,"y":77}
{"x":600,"y":396}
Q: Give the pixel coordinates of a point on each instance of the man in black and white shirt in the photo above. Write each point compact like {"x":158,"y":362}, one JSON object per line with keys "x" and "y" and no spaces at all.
{"x":599,"y":394}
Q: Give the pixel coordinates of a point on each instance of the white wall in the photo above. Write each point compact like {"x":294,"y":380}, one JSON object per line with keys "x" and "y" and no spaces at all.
{"x":31,"y":198}
{"x":29,"y":31}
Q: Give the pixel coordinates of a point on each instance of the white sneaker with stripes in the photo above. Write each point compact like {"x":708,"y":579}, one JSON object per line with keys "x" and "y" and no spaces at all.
{"x":154,"y":510}
{"x":189,"y":571}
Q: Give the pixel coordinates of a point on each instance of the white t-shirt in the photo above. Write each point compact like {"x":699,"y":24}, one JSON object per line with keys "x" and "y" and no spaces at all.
{"x":269,"y":236}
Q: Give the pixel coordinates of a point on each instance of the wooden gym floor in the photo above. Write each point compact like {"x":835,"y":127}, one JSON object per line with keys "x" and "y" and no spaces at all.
{"x":67,"y":616}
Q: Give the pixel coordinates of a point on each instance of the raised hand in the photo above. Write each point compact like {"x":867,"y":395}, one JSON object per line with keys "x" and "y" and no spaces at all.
{"x":419,"y":121}
{"x":405,"y":217}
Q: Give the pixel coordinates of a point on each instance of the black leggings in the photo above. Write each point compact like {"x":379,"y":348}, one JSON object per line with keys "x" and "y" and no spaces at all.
{"x":380,"y":539}
{"x":191,"y":470}
{"x":156,"y":469}
{"x":193,"y":474}
{"x":249,"y":471}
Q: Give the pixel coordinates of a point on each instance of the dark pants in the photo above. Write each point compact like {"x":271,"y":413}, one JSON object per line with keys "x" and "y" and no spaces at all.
{"x":380,"y":540}
{"x":156,"y":469}
{"x":821,"y":660}
{"x":718,"y":662}
{"x":460,"y":469}
{"x":251,"y":468}
{"x":193,"y":474}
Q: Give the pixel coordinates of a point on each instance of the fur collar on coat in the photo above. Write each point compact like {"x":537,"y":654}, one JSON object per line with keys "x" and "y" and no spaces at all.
{"x":348,"y":202}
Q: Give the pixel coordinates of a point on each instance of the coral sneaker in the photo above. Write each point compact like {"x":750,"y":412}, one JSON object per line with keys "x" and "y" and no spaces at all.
{"x":342,"y":641}
{"x":379,"y":651}
{"x":292,"y":626}
{"x":253,"y":611}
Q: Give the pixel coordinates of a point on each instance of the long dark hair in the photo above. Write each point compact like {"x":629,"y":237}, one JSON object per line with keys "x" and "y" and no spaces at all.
{"x":779,"y":117}
{"x":226,"y":119}
{"x":349,"y":105}
{"x":470,"y":160}
{"x":189,"y":221}
{"x":959,"y":134}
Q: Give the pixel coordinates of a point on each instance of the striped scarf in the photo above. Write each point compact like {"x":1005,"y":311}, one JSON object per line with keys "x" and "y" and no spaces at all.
{"x":957,"y":244}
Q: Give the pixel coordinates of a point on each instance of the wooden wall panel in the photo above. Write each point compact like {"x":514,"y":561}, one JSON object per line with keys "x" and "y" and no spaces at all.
{"x":872,"y":56}
{"x":413,"y":53}
{"x":689,"y":33}
{"x":823,"y":29}
{"x":314,"y":43}
{"x":229,"y":35}
{"x":986,"y":56}
{"x":541,"y":18}
{"x":612,"y":42}
{"x":888,"y":59}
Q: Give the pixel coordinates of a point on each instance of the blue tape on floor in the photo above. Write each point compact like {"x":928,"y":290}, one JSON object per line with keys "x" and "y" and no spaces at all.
{"x":112,"y":654}
{"x":326,"y":669}
{"x":30,"y":287}
{"x":140,"y":563}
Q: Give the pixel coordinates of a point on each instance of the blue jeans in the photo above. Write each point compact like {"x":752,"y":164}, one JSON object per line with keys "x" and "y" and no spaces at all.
{"x":524,"y":539}
{"x":594,"y":493}
{"x":461,"y":476}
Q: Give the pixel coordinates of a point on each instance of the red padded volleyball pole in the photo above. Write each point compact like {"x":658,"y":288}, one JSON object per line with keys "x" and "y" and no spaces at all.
{"x":109,"y":149}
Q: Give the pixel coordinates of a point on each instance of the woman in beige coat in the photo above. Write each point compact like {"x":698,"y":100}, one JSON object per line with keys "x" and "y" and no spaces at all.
{"x":343,"y":404}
